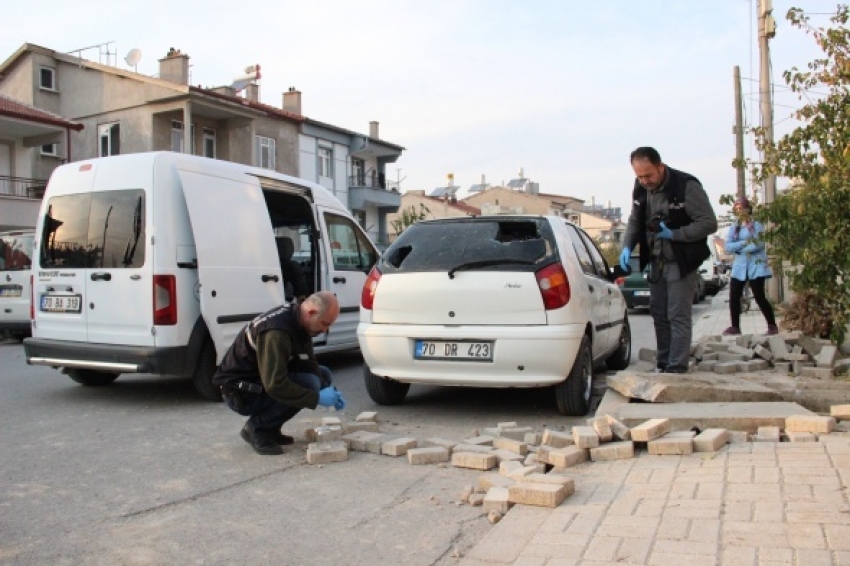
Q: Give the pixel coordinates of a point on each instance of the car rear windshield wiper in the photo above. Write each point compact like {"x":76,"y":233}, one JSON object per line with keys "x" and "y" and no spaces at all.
{"x":486,"y":263}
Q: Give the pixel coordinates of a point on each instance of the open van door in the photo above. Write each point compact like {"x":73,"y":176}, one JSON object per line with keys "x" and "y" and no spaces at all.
{"x":237,"y":258}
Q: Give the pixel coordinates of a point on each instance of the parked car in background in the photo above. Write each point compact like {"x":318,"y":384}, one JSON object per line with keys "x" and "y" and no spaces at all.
{"x":15,"y":282}
{"x":635,"y":286}
{"x":506,"y":301}
{"x":714,"y":270}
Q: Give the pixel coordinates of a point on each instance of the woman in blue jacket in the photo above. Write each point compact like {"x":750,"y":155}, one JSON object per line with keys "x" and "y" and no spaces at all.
{"x":750,"y":265}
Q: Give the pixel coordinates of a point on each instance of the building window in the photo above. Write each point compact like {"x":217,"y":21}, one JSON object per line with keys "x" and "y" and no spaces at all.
{"x":47,"y":78}
{"x":177,"y":136}
{"x":110,"y":139}
{"x":209,"y":143}
{"x":326,"y":156}
{"x":50,"y":149}
{"x":265,"y":150}
{"x":358,"y":172}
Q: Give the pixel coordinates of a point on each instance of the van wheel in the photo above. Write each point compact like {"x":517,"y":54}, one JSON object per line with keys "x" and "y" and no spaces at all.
{"x":622,"y":356}
{"x":91,"y":377}
{"x":204,"y":371}
{"x":384,"y":391}
{"x":573,"y":394}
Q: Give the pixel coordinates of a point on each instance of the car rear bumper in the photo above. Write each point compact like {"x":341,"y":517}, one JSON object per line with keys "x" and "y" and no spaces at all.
{"x":634,"y":300}
{"x":106,"y":357}
{"x":526,"y":356}
{"x":15,"y":325}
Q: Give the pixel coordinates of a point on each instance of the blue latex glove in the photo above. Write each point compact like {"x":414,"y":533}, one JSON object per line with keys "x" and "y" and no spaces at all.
{"x":665,"y":233}
{"x":329,"y":397}
{"x":624,"y":258}
{"x":340,"y":404}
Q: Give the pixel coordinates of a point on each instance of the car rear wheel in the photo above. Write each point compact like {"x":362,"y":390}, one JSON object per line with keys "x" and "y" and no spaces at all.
{"x":622,"y":356}
{"x":91,"y":377}
{"x":204,"y":371}
{"x":573,"y":394}
{"x":384,"y":391}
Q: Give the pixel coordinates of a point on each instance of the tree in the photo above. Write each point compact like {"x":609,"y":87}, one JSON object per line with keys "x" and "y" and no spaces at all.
{"x":610,"y":251}
{"x":809,"y":225}
{"x":409,"y":216}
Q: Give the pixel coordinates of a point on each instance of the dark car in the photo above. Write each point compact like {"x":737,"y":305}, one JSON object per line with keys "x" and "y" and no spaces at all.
{"x":635,"y":287}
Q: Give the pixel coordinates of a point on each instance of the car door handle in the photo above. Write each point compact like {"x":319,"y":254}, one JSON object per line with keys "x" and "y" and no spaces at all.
{"x":101,"y":276}
{"x":339,"y":279}
{"x":267,"y":278}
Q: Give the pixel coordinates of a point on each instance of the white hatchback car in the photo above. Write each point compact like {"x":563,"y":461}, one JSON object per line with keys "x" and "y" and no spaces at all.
{"x":492,"y":301}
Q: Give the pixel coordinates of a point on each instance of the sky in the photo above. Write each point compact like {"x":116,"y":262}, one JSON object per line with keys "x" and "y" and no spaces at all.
{"x":564,"y":89}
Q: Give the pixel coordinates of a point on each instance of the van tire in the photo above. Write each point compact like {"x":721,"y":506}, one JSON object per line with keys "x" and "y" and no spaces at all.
{"x":573,"y":394}
{"x":622,"y":356}
{"x":91,"y":377}
{"x":384,"y":391}
{"x":204,"y":371}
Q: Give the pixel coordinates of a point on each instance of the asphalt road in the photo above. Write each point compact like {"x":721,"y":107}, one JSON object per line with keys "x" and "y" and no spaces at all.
{"x":145,"y":472}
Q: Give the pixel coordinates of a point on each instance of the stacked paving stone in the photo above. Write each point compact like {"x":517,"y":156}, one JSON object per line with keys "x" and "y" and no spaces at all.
{"x":789,"y":353}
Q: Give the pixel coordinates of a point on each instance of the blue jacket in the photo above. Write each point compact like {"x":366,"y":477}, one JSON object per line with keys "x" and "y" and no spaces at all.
{"x":748,"y":249}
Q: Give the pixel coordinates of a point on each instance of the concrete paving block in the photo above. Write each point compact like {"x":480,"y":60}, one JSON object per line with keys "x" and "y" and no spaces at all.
{"x":730,"y":357}
{"x":810,"y":423}
{"x":741,"y":341}
{"x":357,"y":440}
{"x":801,"y":437}
{"x":331,"y":421}
{"x":491,"y":479}
{"x":585,"y":437}
{"x":567,"y":457}
{"x":476,"y":499}
{"x":375,"y":444}
{"x":710,"y":357}
{"x":791,"y":336}
{"x":441,"y":442}
{"x":672,"y":443}
{"x":335,"y":451}
{"x":497,"y":499}
{"x":777,"y":346}
{"x":651,"y":429}
{"x":516,"y":433}
{"x":539,"y":494}
{"x":725,"y":367}
{"x":646,"y":355}
{"x":707,"y":365}
{"x":602,"y":428}
{"x":553,"y":479}
{"x":523,"y":471}
{"x":399,"y":446}
{"x":738,"y":436}
{"x":517,"y":446}
{"x":481,"y":440}
{"x":621,"y":450}
{"x":531,"y":459}
{"x":756,"y":365}
{"x":840,"y":412}
{"x":817,"y":372}
{"x":763,"y":353}
{"x":429,"y":455}
{"x":542,"y":454}
{"x":746,"y":416}
{"x":767,"y":434}
{"x":718,"y":346}
{"x":533,"y":438}
{"x":785,"y":368}
{"x":618,"y":429}
{"x":478,"y":449}
{"x":841,"y":366}
{"x":746,"y":352}
{"x":506,"y":455}
{"x":508,"y":466}
{"x":367,"y":416}
{"x":473,"y":460}
{"x":797,"y":357}
{"x":367,"y":426}
{"x":508,"y":424}
{"x":494,"y":432}
{"x":711,"y":440}
{"x":557,"y":439}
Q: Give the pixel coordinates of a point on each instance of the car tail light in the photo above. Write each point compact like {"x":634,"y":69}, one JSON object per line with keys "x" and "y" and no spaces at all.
{"x":620,"y":281}
{"x":367,"y":297}
{"x":32,"y":299}
{"x":164,"y":300}
{"x":554,"y":286}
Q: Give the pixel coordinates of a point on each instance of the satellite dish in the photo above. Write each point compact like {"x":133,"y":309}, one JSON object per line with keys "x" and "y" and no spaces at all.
{"x":133,"y":57}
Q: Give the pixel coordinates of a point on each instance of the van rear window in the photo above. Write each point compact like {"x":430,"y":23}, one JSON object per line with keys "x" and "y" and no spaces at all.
{"x":16,"y":251}
{"x":472,"y":243}
{"x":94,"y":230}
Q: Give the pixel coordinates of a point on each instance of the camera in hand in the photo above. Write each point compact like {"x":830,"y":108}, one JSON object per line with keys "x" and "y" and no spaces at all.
{"x":654,"y":224}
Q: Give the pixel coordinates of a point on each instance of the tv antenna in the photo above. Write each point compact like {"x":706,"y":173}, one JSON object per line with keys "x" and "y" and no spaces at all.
{"x":133,"y":58}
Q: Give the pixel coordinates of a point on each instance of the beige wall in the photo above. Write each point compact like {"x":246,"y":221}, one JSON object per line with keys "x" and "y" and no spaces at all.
{"x":499,"y":196}
{"x":438,"y":209}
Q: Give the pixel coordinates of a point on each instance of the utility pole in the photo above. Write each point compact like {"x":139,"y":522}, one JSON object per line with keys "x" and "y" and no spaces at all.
{"x":739,"y":134}
{"x":767,"y":30}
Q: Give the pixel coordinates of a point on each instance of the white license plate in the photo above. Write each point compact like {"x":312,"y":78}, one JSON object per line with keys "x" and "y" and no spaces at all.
{"x":61,"y":303}
{"x":641,"y":293}
{"x":463,"y":351}
{"x":10,"y":292}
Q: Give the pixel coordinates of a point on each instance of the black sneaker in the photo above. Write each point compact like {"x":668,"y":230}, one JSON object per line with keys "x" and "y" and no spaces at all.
{"x":262,"y":443}
{"x":282,"y":439}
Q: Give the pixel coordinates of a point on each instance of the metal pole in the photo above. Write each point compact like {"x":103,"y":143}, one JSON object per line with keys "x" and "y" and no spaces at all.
{"x":739,"y":133}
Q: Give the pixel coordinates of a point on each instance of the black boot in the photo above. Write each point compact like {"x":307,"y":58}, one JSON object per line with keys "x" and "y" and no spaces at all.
{"x":262,"y":442}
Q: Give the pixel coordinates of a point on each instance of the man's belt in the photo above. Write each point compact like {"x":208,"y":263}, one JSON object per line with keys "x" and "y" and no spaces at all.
{"x":246,"y":386}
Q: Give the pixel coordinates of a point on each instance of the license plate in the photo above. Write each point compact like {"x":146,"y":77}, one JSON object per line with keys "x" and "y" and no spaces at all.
{"x":10,"y":291}
{"x":641,"y":293}
{"x":61,"y":303}
{"x":462,"y":351}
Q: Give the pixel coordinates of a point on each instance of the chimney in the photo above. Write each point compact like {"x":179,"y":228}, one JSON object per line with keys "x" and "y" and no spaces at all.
{"x":373,"y":130}
{"x":225,"y":90}
{"x":174,"y":67}
{"x":292,"y":101}
{"x":521,"y":173}
{"x":483,"y":182}
{"x":252,"y":92}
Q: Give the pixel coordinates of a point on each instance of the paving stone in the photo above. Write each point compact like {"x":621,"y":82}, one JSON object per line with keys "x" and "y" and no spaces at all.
{"x":473,"y":460}
{"x":763,"y":352}
{"x":620,"y":450}
{"x":797,"y":357}
{"x":530,"y":459}
{"x":523,"y":471}
{"x":557,"y":439}
{"x":533,"y":438}
{"x":731,"y":416}
{"x":441,"y":442}
{"x":756,"y":365}
{"x":777,"y":346}
{"x":481,"y":440}
{"x":331,"y":421}
{"x":476,"y":499}
{"x":711,"y":440}
{"x":334,"y":451}
{"x":504,"y":425}
{"x":516,"y":433}
{"x":505,"y":455}
{"x":567,"y":457}
{"x":542,"y":454}
{"x":738,"y":436}
{"x":646,"y":355}
{"x":585,"y":437}
{"x":725,"y":367}
{"x":539,"y":494}
{"x":651,"y":429}
{"x":692,"y":388}
{"x":367,"y":426}
{"x":428,"y":455}
{"x":707,"y":365}
{"x":618,"y":429}
{"x":491,"y":479}
{"x":477,"y":448}
{"x":498,"y":499}
{"x":375,"y":444}
{"x":508,"y":466}
{"x":357,"y":440}
{"x":743,"y":351}
{"x":784,"y":368}
{"x":801,"y":436}
{"x":767,"y":434}
{"x":672,"y":443}
{"x":367,"y":416}
{"x":709,"y":357}
{"x":516,"y":446}
{"x":817,"y":372}
{"x":810,"y":423}
{"x":398,"y":447}
{"x":550,"y":479}
{"x":602,"y":428}
{"x":840,"y":412}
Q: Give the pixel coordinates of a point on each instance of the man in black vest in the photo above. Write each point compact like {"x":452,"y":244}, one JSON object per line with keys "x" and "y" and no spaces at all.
{"x":270,"y":372}
{"x":671,"y":220}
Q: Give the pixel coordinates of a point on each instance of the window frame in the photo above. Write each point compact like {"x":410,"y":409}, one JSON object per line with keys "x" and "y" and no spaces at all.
{"x":325,"y":156}
{"x":52,"y":72}
{"x":111,"y":132}
{"x":53,"y":152}
{"x":208,"y":134}
{"x":267,"y":147}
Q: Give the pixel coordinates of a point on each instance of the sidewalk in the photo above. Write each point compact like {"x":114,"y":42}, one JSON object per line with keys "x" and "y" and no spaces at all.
{"x":753,"y":503}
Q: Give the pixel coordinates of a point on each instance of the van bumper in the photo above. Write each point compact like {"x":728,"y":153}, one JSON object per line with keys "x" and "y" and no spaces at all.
{"x":15,"y":326}
{"x":106,"y":357}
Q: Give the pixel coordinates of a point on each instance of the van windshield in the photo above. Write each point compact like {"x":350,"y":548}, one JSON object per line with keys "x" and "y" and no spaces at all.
{"x":94,"y":230}
{"x":16,"y":251}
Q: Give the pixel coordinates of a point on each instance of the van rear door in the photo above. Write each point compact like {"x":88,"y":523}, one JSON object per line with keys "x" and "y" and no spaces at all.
{"x":238,"y":269}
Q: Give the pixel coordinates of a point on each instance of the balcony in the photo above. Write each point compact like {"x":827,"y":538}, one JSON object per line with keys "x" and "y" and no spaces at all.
{"x":372,"y":189}
{"x":22,"y":187}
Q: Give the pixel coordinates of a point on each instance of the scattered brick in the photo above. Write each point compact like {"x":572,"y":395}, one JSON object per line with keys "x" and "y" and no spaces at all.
{"x":375,"y":444}
{"x":711,"y":440}
{"x":783,"y":367}
{"x":473,"y":460}
{"x":478,"y":449}
{"x":398,"y":447}
{"x":429,"y":455}
{"x":497,"y":499}
{"x":509,"y":466}
{"x":650,"y":430}
{"x":517,"y":446}
{"x":809,"y":423}
{"x":672,"y":444}
{"x":331,"y":421}
{"x":567,"y":457}
{"x":506,"y":455}
{"x":532,"y":438}
{"x":777,"y":346}
{"x":491,"y":479}
{"x":801,"y":436}
{"x":725,"y":367}
{"x":602,"y":428}
{"x":621,"y":450}
{"x":367,"y":416}
{"x":730,"y":357}
{"x":738,"y":436}
{"x":797,"y":357}
{"x":707,"y":365}
{"x":619,"y":430}
{"x":539,"y":494}
{"x":502,"y":426}
{"x":840,"y":412}
{"x":476,"y":499}
{"x":585,"y":437}
{"x":516,"y":433}
{"x":767,"y":434}
{"x":817,"y":372}
{"x":553,"y":479}
{"x":482,"y":440}
{"x":763,"y":353}
{"x":441,"y":442}
{"x":523,"y":471}
{"x":357,"y":440}
{"x":557,"y":439}
{"x":745,"y":351}
{"x":367,"y":426}
{"x":335,"y":451}
{"x":646,"y":355}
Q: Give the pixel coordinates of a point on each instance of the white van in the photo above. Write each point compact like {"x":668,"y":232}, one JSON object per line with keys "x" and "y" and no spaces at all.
{"x":153,"y":262}
{"x":15,"y":290}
